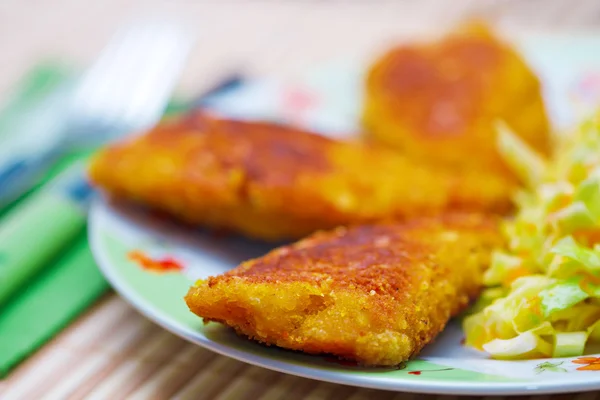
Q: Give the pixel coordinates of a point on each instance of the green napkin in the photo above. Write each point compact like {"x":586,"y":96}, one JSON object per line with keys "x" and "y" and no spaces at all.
{"x":66,"y":288}
{"x":70,"y":282}
{"x":47,"y":222}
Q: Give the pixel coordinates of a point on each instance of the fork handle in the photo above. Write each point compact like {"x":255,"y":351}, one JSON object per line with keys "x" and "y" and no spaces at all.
{"x":21,"y":174}
{"x":229,"y":83}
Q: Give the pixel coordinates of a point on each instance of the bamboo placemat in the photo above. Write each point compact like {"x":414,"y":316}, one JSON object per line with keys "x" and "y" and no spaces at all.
{"x":112,"y":352}
{"x":115,"y":353}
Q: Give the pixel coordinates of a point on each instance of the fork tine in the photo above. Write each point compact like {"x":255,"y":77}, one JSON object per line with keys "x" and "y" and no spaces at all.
{"x":129,"y":86}
{"x":100,"y":78}
{"x":131,"y":65}
{"x":151,"y":96}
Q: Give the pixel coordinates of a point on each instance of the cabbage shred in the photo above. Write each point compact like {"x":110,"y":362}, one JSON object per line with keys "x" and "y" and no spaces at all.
{"x":543,"y":290}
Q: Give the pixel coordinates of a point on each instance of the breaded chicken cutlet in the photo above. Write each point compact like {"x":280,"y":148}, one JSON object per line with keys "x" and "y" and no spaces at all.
{"x":273,"y":182}
{"x":437,"y":102}
{"x":376,"y":294}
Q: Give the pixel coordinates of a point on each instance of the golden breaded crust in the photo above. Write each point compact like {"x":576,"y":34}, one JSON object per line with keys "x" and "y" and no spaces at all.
{"x":273,"y":182}
{"x":437,"y":102}
{"x":375,"y":294}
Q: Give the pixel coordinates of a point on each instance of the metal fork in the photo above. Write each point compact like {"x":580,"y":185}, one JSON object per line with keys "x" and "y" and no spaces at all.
{"x":126,"y":90}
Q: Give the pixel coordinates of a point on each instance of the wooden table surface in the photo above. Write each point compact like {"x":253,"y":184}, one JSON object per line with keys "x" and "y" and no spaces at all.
{"x":113,"y":352}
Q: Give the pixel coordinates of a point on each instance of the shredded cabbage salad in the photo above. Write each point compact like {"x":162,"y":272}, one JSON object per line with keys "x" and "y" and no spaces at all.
{"x":543,"y":290}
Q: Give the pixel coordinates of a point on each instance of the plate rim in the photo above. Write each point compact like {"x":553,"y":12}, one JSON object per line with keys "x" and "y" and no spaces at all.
{"x":439,"y":387}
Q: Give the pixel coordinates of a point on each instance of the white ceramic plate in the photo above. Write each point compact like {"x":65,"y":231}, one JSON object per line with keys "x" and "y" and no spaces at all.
{"x":570,"y":68}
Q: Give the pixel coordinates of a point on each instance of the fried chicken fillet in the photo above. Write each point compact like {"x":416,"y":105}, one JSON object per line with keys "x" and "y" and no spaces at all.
{"x":273,"y":182}
{"x":438,"y":102}
{"x":376,"y":294}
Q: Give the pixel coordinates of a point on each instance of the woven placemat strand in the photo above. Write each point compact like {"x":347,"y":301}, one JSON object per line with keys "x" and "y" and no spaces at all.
{"x":112,"y":352}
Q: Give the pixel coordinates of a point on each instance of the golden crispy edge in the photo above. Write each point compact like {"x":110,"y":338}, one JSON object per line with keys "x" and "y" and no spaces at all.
{"x":225,"y":174}
{"x":322,"y":316}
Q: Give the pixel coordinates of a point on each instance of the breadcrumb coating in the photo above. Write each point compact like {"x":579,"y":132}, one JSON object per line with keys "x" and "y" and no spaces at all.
{"x":437,"y":102}
{"x":273,"y":182}
{"x":375,"y":294}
